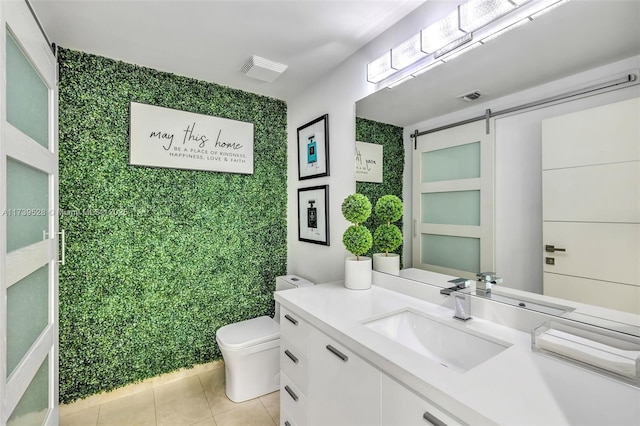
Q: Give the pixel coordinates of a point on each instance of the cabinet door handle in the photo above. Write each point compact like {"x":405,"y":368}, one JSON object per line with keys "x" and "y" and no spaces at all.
{"x":431,"y":419}
{"x":291,"y":319}
{"x":337,"y":353}
{"x":291,"y":356}
{"x":286,"y":423}
{"x":291,"y":393}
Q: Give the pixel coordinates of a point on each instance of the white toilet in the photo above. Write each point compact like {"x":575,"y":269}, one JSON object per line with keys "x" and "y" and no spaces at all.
{"x":250,"y":350}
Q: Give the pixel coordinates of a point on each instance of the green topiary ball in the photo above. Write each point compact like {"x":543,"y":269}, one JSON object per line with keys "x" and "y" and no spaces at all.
{"x":356,"y":208}
{"x":387,"y":237}
{"x":357,"y":239}
{"x":389,"y":208}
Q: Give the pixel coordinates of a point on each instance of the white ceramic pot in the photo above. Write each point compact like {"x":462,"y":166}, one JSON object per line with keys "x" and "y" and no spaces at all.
{"x":357,"y":273}
{"x":389,"y":264}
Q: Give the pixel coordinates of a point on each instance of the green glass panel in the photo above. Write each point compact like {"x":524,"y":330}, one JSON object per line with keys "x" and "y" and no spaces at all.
{"x":27,"y":95}
{"x":462,"y":253}
{"x":451,"y":208}
{"x":33,"y":407}
{"x":27,"y":204}
{"x":458,"y":162}
{"x":27,"y":314}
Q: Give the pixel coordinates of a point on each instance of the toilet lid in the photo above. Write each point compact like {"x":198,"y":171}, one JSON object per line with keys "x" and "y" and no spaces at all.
{"x":248,"y":333}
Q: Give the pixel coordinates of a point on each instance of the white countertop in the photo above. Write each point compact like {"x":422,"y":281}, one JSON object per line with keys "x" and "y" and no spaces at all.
{"x":515,"y":387}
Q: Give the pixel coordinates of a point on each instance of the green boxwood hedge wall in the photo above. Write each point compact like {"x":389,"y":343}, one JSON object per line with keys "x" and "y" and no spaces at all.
{"x":158,"y":259}
{"x":391,"y":138}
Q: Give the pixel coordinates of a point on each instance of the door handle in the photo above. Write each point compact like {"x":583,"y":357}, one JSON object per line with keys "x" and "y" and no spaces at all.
{"x":553,"y":249}
{"x":63,"y":245}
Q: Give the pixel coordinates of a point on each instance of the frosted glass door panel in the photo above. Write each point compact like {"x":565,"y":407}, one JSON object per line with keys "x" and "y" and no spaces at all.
{"x":28,"y":188}
{"x":27,"y":205}
{"x":27,"y":96}
{"x":34,"y":404}
{"x":458,"y":162}
{"x":451,"y":208}
{"x":461,"y":253}
{"x":27,"y":314}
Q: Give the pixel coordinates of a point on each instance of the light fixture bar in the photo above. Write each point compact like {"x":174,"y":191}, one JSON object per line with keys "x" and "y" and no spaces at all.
{"x":441,"y":33}
{"x":407,"y":53}
{"x":475,"y":14}
{"x":453,"y":45}
{"x":380,"y":69}
{"x":450,"y":37}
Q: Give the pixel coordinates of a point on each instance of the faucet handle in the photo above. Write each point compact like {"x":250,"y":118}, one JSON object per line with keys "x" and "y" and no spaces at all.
{"x":489,"y":277}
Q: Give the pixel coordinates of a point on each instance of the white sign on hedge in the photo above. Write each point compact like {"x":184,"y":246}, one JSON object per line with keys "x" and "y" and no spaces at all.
{"x":164,"y":137}
{"x":368,"y":162}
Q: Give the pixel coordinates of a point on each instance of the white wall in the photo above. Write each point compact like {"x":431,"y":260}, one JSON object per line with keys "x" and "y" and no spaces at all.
{"x":336,"y":95}
{"x":518,"y":185}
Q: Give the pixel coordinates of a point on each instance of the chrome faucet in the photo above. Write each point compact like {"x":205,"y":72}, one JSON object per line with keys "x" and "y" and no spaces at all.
{"x":485,"y":281}
{"x":461,"y":305}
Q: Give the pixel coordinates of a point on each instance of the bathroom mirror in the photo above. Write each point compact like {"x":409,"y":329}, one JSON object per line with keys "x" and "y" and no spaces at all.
{"x":552,"y":47}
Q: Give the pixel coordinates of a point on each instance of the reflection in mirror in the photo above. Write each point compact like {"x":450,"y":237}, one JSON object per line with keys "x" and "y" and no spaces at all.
{"x":533,"y":194}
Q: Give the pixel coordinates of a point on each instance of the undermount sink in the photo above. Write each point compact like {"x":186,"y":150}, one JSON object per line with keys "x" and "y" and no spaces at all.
{"x":456,"y":349}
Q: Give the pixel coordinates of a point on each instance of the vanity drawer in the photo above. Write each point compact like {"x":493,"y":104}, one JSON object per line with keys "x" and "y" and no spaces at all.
{"x":293,"y":402}
{"x":294,"y":329}
{"x":402,"y":407}
{"x":294,"y":364}
{"x":286,"y":419}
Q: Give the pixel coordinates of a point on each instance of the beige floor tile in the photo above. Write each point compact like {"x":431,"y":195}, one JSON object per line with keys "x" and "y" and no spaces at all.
{"x":138,"y":409}
{"x":189,"y":386}
{"x":88,"y":417}
{"x":272,"y":403}
{"x":181,"y":403}
{"x":208,"y":422}
{"x":213,"y":384}
{"x":183,"y":411}
{"x":252,"y":413}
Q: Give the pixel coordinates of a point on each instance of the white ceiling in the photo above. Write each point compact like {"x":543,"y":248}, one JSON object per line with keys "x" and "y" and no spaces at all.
{"x":211,"y":39}
{"x":577,"y":36}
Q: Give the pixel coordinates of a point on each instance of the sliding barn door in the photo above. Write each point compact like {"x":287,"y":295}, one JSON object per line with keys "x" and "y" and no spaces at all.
{"x":453,"y":201}
{"x":28,"y":225}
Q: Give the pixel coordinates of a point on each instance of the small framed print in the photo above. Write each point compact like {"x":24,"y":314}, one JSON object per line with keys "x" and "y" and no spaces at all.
{"x":313,"y":148}
{"x":313,"y":214}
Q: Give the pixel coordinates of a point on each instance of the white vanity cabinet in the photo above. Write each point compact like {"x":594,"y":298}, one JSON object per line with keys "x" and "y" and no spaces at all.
{"x":294,"y":335}
{"x":402,"y":407}
{"x":322,"y":382}
{"x":344,"y":389}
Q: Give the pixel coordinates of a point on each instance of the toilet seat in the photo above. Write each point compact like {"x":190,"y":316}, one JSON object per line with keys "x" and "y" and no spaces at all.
{"x":245,"y":334}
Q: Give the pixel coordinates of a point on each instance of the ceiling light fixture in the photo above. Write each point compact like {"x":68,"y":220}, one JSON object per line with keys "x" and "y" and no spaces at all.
{"x":475,"y":14}
{"x":441,"y":33}
{"x":450,"y":37}
{"x":407,"y":53}
{"x":380,"y":69}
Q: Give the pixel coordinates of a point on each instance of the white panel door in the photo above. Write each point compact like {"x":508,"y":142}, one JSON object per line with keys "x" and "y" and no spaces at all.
{"x":28,"y":225}
{"x":591,"y":205}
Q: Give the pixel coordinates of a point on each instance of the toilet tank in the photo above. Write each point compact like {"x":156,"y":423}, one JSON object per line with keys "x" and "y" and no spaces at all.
{"x":287,"y":282}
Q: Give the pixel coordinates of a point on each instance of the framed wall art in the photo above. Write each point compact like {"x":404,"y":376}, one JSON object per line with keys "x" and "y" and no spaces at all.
{"x":313,"y":148}
{"x":313,"y":214}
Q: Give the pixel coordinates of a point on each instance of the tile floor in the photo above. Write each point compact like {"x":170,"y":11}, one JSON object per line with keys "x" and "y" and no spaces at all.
{"x":197,"y":400}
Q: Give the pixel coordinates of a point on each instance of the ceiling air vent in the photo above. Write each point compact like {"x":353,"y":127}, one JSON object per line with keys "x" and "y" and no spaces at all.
{"x":471,"y":96}
{"x":262,"y":69}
